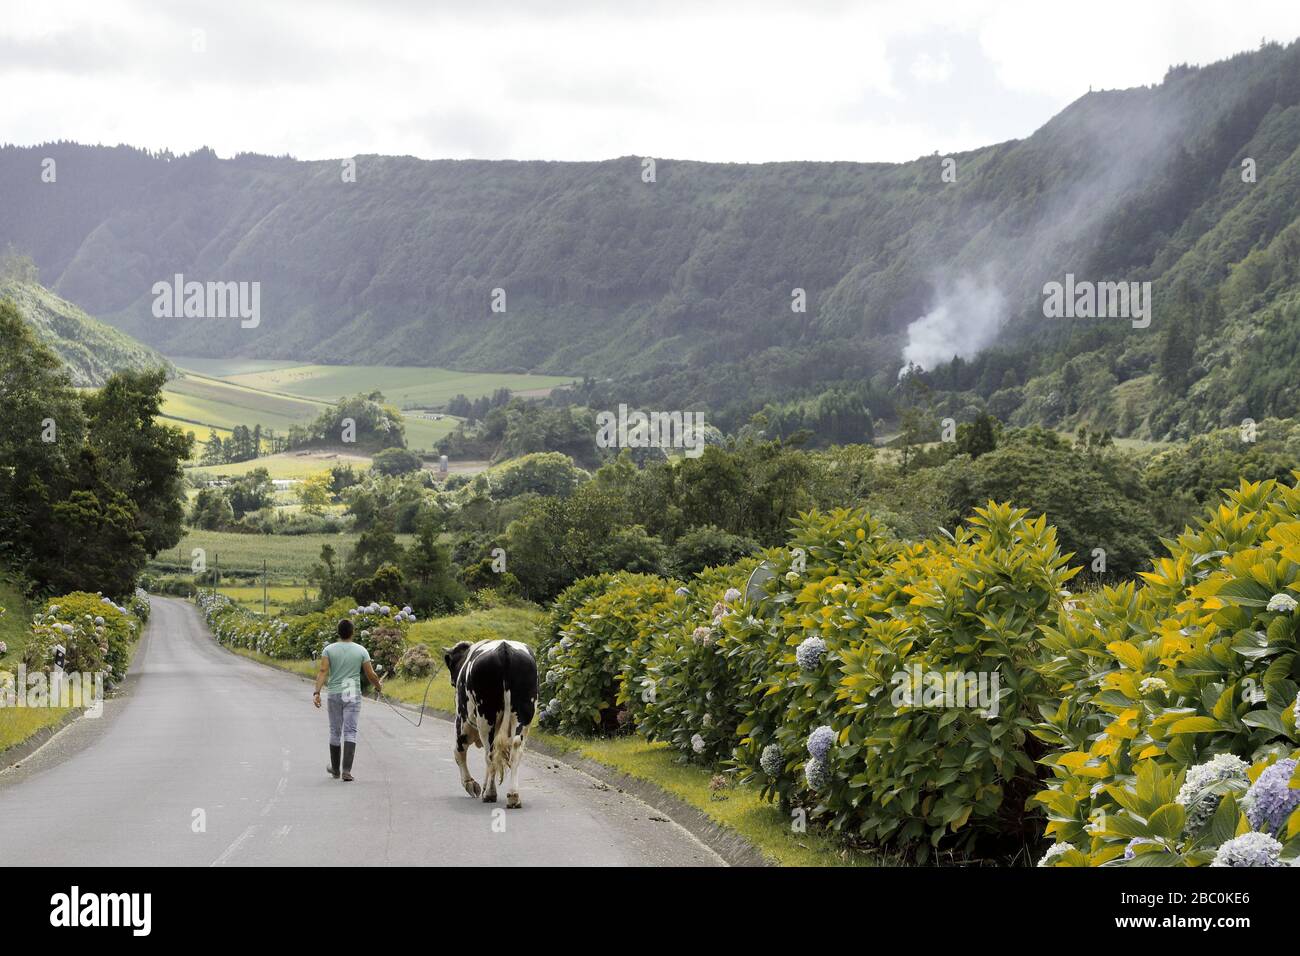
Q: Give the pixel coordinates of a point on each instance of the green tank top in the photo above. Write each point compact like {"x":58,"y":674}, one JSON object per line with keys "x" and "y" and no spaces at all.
{"x":346,"y":658}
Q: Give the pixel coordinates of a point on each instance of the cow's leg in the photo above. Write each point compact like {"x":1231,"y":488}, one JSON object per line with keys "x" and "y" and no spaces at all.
{"x":462,"y":746}
{"x":485,"y":738}
{"x":516,"y":758}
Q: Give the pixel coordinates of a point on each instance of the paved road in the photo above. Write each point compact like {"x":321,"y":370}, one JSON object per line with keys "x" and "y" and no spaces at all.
{"x":200,"y":729}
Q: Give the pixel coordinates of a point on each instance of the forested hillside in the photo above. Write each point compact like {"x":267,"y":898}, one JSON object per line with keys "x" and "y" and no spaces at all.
{"x":91,"y":351}
{"x":679,"y":291}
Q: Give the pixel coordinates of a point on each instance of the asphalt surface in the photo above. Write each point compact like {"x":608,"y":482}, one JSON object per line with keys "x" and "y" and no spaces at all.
{"x":211,"y":759}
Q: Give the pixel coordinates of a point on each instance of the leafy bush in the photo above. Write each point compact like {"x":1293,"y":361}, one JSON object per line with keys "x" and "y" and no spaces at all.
{"x":693,"y":683}
{"x":416,"y":662}
{"x":1198,"y":664}
{"x":96,"y":635}
{"x":894,"y":651}
{"x":593,"y":671}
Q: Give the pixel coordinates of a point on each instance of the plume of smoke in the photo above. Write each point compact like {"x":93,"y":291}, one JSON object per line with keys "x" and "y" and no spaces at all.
{"x":965,"y":320}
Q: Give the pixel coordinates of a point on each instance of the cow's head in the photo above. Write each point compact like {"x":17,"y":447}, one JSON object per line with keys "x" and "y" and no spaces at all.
{"x":454,"y":658}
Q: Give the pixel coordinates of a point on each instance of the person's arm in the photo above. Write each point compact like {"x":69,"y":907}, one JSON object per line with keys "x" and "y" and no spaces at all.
{"x":322,"y":675}
{"x":373,"y":678}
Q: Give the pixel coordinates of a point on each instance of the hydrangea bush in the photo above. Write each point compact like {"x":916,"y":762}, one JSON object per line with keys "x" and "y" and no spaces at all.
{"x":691,"y":689}
{"x":593,"y":670}
{"x":1215,"y":624}
{"x":95,"y":632}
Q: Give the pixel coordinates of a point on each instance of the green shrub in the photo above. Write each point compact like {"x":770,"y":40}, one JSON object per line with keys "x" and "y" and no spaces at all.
{"x":1197,"y":664}
{"x":845,"y":546}
{"x":594,"y":670}
{"x":96,"y":635}
{"x":693,"y":688}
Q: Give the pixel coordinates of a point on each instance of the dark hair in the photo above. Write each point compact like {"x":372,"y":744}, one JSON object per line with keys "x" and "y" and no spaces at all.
{"x":345,"y":630}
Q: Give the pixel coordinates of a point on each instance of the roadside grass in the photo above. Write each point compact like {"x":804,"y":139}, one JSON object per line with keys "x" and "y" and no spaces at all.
{"x":19,"y":723}
{"x":13,"y":623}
{"x":738,"y":806}
{"x":507,"y":623}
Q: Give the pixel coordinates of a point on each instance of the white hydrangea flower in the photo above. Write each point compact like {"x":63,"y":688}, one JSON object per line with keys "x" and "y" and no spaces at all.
{"x":697,"y":743}
{"x":1249,"y":849}
{"x":1282,"y":602}
{"x":1053,"y":851}
{"x":1200,"y":805}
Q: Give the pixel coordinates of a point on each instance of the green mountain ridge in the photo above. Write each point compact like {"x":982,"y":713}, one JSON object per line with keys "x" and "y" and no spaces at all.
{"x":91,"y":350}
{"x":678,"y":292}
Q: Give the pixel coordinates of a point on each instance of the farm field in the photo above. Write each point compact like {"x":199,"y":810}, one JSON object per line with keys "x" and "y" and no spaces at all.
{"x":278,"y":596}
{"x":289,"y":464}
{"x":405,"y":387}
{"x":211,"y":401}
{"x":288,"y":557}
{"x":221,"y":394}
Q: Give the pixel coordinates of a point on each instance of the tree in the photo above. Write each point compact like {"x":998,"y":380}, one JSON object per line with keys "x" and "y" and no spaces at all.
{"x":145,"y":458}
{"x":978,"y":437}
{"x":430,"y":577}
{"x":89,"y":487}
{"x":708,"y":547}
{"x":395,"y":461}
{"x":314,"y":492}
{"x":211,"y":510}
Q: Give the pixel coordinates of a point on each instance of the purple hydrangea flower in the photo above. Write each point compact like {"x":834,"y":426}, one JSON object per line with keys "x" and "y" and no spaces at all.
{"x":817,"y":773}
{"x":820,"y":742}
{"x":1270,"y":799}
{"x":808,"y":655}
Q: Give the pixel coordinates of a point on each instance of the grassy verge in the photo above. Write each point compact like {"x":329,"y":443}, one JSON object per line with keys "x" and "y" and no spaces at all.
{"x":739,"y":806}
{"x":19,"y":723}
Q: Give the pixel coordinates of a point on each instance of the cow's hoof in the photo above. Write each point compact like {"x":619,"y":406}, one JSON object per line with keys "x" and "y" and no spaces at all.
{"x":513,"y":802}
{"x":490,"y":797}
{"x":472,"y":788}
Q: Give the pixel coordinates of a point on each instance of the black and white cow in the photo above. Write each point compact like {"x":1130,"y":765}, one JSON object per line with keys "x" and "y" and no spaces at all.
{"x":496,"y":697}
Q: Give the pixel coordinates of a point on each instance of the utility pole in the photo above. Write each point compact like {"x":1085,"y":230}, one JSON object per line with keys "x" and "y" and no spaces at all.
{"x":263,"y":587}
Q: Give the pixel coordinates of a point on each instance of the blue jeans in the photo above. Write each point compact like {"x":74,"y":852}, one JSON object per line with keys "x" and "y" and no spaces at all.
{"x":344,"y":711}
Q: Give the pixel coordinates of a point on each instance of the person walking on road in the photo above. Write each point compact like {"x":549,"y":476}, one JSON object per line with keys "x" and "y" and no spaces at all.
{"x":341,"y":665}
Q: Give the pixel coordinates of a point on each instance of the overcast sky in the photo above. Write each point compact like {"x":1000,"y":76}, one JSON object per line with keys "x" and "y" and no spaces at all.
{"x":746,"y":81}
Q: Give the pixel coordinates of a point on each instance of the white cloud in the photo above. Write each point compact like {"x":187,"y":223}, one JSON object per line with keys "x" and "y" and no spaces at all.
{"x":736,"y":81}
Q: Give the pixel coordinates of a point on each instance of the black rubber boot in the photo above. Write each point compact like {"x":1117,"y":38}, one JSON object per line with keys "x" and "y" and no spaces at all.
{"x":349,"y":748}
{"x":333,"y":768}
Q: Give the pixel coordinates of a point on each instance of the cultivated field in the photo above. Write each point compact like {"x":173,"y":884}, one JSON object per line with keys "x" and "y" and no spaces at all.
{"x":288,"y":557}
{"x":220,"y":394}
{"x":405,"y":387}
{"x":289,"y":464}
